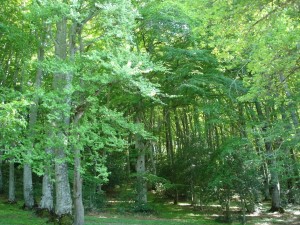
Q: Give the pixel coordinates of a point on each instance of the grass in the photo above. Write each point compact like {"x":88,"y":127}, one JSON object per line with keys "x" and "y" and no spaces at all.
{"x":167,"y":214}
{"x":13,"y":214}
{"x":123,"y":220}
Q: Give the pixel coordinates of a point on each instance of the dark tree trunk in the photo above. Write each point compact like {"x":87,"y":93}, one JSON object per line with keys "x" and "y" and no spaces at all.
{"x":274,"y":182}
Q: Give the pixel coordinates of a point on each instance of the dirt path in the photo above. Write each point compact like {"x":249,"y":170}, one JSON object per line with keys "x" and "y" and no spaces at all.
{"x":291,"y":216}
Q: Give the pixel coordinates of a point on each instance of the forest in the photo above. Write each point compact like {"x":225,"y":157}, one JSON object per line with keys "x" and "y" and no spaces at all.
{"x":136,"y":107}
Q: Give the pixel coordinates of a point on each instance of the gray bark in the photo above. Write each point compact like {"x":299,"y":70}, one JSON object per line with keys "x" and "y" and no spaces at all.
{"x":275,"y":190}
{"x":152,"y":157}
{"x":47,"y":186}
{"x":62,"y":187}
{"x":140,"y":166}
{"x":28,"y":187}
{"x":12,"y":187}
{"x":61,"y":82}
{"x":78,"y":203}
{"x":27,"y":172}
{"x":266,"y":181}
{"x":47,"y":190}
{"x":141,"y":170}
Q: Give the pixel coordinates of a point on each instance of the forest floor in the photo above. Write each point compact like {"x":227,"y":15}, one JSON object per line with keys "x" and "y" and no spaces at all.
{"x":13,"y":214}
{"x":183,"y":213}
{"x":166,"y":214}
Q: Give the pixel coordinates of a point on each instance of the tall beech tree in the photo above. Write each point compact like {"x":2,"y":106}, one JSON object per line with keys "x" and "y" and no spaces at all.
{"x":201,"y":106}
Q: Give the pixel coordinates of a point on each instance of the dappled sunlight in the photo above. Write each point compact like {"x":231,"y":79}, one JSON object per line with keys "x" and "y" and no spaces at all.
{"x":193,"y":215}
{"x":184,"y":204}
{"x":101,"y":216}
{"x":296,"y":213}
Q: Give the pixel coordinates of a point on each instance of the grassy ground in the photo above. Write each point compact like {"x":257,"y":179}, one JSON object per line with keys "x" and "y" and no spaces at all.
{"x":13,"y":214}
{"x":166,"y":214}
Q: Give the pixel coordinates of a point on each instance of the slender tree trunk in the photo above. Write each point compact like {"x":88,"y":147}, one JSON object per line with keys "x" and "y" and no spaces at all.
{"x":77,"y":189}
{"x":264,"y":167}
{"x":169,"y":139}
{"x":266,"y":181}
{"x":140,"y":164}
{"x":179,"y":133}
{"x":78,"y":204}
{"x":291,"y":105}
{"x":27,"y":172}
{"x":295,"y":121}
{"x":1,"y":177}
{"x":274,"y":183}
{"x":46,"y":202}
{"x":153,"y":157}
{"x":169,"y":147}
{"x":292,"y":172}
{"x":12,"y":186}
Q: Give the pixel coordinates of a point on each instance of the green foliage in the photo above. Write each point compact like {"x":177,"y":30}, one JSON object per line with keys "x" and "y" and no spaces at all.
{"x":199,"y":78}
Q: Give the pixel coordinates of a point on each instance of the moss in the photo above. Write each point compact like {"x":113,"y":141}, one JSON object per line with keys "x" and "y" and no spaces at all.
{"x":65,"y":219}
{"x":11,"y":202}
{"x":44,"y":213}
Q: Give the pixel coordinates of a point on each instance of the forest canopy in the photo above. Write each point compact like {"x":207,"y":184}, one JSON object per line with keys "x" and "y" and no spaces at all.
{"x":193,"y":100}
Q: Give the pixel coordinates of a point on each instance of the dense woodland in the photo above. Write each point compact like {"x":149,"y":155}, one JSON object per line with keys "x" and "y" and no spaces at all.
{"x":193,"y":100}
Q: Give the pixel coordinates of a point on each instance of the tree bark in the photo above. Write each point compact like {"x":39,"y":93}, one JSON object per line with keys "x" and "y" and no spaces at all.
{"x":140,"y":166}
{"x":28,"y":187}
{"x":141,"y":169}
{"x":61,"y":83}
{"x":12,"y":186}
{"x":27,"y":172}
{"x":78,"y":203}
{"x":47,"y":191}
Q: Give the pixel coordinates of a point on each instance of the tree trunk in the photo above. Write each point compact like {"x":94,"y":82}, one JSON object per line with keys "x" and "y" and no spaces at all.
{"x":264,"y":167}
{"x":153,"y":157}
{"x":275,"y":190}
{"x":274,"y":183}
{"x":295,"y":121}
{"x":1,"y":177}
{"x":12,"y":187}
{"x":141,"y":185}
{"x":28,"y":187}
{"x":266,"y":181}
{"x":78,"y":204}
{"x":27,"y":172}
{"x":61,"y":83}
{"x":62,"y":187}
{"x":47,"y":190}
{"x":141,"y":170}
